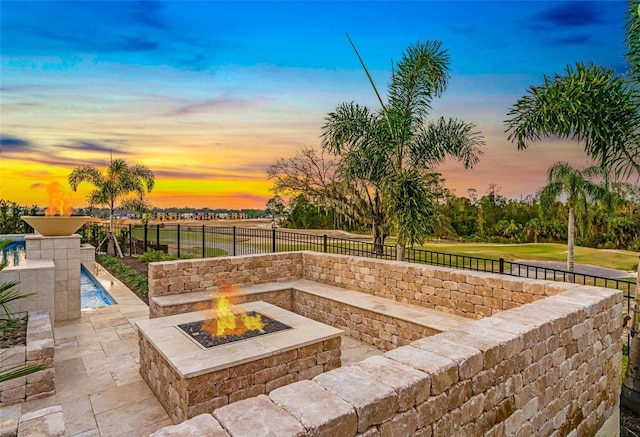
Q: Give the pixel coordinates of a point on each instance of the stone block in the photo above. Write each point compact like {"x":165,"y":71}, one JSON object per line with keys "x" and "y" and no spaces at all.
{"x":469,"y":359}
{"x":258,"y":416}
{"x":412,"y":386}
{"x":373,"y":401}
{"x":321,"y":412}
{"x":402,"y":424}
{"x":443,"y":371}
{"x":202,"y":425}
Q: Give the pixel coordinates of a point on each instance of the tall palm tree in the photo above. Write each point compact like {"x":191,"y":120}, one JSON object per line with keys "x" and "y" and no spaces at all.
{"x":120,"y":180}
{"x":594,"y":105}
{"x":574,"y":184}
{"x":393,"y":149}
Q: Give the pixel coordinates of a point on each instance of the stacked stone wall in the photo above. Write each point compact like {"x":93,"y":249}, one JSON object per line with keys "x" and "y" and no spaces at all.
{"x":211,"y":274}
{"x":280,"y":298}
{"x":461,"y":292}
{"x":38,"y":350}
{"x":551,"y":367}
{"x":379,"y":330}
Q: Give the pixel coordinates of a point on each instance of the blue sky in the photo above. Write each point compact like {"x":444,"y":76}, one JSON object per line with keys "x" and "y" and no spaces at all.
{"x":209,"y":93}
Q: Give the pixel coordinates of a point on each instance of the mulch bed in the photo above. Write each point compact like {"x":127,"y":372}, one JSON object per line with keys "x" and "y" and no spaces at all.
{"x":138,"y":266}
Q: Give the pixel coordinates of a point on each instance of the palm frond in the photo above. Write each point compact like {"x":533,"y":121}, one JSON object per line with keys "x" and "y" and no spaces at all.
{"x":589,"y":104}
{"x":447,"y":138}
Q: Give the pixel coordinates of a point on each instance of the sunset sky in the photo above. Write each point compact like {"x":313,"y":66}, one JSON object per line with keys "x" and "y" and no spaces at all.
{"x":208,"y":94}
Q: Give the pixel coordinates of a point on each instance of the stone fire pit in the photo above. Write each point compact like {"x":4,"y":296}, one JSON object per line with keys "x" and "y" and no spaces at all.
{"x":189,"y":379}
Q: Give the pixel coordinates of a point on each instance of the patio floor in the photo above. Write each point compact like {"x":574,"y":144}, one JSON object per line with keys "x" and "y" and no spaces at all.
{"x":98,"y":383}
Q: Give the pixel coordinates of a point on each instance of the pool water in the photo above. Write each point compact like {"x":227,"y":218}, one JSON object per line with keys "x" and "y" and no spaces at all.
{"x":92,"y":294}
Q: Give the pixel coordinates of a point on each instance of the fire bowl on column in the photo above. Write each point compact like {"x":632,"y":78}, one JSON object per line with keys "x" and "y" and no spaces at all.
{"x":51,"y":226}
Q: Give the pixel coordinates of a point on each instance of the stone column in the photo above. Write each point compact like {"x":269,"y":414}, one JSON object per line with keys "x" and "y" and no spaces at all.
{"x":65,"y":253}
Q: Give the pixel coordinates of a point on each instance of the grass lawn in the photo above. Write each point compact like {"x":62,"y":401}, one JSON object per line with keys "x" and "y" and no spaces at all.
{"x":612,"y":259}
{"x":170,"y":235}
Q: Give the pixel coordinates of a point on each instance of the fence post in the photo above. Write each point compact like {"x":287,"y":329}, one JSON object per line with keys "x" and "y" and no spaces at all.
{"x":234,"y":241}
{"x":324,"y":242}
{"x":178,"y":240}
{"x":204,"y":250}
{"x":158,"y":237}
{"x":130,"y":239}
{"x":501,"y":265}
{"x":146,"y":236}
{"x":273,"y":240}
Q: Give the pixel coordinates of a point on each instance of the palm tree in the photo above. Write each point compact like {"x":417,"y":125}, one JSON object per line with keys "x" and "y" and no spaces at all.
{"x":594,"y":105}
{"x":394,"y":149}
{"x":575,"y":184}
{"x":120,"y":180}
{"x":590,"y":104}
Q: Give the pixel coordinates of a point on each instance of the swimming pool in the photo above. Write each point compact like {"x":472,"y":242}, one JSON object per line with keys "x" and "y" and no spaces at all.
{"x":92,"y":294}
{"x":14,"y":252}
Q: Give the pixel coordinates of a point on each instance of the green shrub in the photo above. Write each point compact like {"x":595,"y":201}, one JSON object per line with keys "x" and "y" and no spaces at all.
{"x":152,"y":255}
{"x":131,"y":278}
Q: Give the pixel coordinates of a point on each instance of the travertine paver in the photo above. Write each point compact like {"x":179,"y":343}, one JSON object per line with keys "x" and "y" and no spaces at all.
{"x":47,"y":422}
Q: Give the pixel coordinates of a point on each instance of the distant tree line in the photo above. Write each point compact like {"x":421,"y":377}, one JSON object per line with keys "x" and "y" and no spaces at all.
{"x":10,"y":221}
{"x":610,"y":222}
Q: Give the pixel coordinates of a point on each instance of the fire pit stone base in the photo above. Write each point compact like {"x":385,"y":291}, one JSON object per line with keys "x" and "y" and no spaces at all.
{"x":186,"y":389}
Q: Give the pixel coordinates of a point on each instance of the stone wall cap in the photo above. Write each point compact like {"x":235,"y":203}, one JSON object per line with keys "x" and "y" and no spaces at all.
{"x":198,"y":426}
{"x":258,"y":416}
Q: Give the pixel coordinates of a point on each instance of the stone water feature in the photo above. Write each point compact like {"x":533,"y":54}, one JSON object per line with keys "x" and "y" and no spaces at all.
{"x":51,"y":270}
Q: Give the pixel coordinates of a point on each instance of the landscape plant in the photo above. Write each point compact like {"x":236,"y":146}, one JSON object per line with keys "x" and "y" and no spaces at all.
{"x":136,"y":282}
{"x":9,"y":323}
{"x":393,"y":149}
{"x":120,"y":180}
{"x":579,"y":190}
{"x":601,"y":109}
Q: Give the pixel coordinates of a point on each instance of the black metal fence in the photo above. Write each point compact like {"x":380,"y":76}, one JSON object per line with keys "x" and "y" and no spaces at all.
{"x":200,"y":241}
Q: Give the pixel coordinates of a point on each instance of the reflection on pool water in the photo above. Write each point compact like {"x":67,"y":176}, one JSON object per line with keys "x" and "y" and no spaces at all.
{"x":92,"y":294}
{"x":14,"y":252}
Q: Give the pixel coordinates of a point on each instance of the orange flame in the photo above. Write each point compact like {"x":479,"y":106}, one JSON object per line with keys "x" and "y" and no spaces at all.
{"x":221,"y":321}
{"x":58,"y":205}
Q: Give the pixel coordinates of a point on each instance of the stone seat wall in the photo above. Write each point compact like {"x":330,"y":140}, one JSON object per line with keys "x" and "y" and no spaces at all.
{"x":38,"y":350}
{"x":551,"y":367}
{"x":544,"y":360}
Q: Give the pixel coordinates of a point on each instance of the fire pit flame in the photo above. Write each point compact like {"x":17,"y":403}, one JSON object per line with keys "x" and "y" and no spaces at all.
{"x":221,"y":321}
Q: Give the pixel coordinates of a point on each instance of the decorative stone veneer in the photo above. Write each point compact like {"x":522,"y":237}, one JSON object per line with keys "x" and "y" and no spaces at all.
{"x":39,"y":350}
{"x":65,"y":253}
{"x":461,"y":292}
{"x":210,"y":274}
{"x":379,"y":330}
{"x":545,"y":360}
